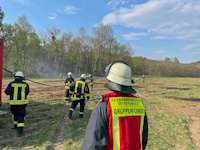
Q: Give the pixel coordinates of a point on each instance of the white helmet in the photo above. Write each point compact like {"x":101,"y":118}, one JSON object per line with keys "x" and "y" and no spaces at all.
{"x":69,"y":74}
{"x":19,"y":74}
{"x":118,"y":75}
{"x":83,"y":76}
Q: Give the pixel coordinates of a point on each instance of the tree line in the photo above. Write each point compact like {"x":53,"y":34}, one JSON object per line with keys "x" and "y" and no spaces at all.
{"x":54,"y":51}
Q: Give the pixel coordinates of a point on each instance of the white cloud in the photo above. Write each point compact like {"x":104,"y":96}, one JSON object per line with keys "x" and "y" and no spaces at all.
{"x":191,"y":47}
{"x":133,"y":36}
{"x":68,"y":10}
{"x":113,"y":3}
{"x":52,"y":16}
{"x":159,"y":52}
{"x":22,"y":1}
{"x":166,"y":19}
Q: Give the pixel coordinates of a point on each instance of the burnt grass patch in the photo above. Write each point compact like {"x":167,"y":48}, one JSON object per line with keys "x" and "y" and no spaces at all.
{"x":190,"y":85}
{"x":175,"y":88}
{"x":184,"y":99}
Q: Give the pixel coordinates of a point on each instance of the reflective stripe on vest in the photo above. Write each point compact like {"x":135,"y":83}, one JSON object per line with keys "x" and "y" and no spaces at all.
{"x":125,"y":107}
{"x":15,"y":100}
{"x":141,"y":129}
{"x":79,"y":96}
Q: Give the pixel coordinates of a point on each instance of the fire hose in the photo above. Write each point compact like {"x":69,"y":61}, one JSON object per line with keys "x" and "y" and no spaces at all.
{"x":29,"y":79}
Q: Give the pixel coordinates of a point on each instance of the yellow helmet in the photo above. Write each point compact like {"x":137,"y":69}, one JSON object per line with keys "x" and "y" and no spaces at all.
{"x":118,"y":75}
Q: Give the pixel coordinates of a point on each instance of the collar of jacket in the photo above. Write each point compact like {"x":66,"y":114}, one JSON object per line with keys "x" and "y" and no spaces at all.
{"x":82,"y":79}
{"x":18,"y":80}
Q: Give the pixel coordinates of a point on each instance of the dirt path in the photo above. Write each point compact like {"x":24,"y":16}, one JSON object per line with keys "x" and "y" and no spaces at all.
{"x":194,"y":112}
{"x":62,"y":124}
{"x":195,"y":131}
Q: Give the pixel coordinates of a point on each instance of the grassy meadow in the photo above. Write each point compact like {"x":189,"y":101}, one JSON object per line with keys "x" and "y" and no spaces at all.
{"x":172,"y":105}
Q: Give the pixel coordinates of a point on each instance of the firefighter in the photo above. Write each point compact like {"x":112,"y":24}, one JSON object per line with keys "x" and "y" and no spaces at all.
{"x":18,"y":91}
{"x":143,"y":78}
{"x":80,"y":89}
{"x":119,"y":122}
{"x":68,"y":82}
{"x":91,"y":82}
{"x":61,"y":76}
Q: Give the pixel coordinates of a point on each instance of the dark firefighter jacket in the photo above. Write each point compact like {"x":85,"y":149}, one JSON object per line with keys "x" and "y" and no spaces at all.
{"x":18,"y":91}
{"x":80,"y":88}
{"x":91,"y":80}
{"x":96,"y":135}
{"x":68,"y":81}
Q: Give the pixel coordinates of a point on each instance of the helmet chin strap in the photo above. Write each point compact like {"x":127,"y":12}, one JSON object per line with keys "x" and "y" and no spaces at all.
{"x":119,"y":88}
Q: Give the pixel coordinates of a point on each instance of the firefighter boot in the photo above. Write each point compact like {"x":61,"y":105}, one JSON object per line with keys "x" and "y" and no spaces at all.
{"x":14,"y":127}
{"x":70,"y":116}
{"x":20,"y":134}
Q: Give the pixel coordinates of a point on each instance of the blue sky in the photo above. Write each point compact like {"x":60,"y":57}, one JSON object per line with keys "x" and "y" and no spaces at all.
{"x":155,"y":28}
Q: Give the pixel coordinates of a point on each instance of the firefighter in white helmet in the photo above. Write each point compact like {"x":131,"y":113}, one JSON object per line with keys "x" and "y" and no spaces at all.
{"x":18,"y":91}
{"x":119,"y":121}
{"x":143,"y":78}
{"x":81,"y":90}
{"x":68,"y":82}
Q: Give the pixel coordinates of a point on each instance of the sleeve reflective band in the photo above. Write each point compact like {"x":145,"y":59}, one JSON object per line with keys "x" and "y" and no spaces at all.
{"x":81,"y":113}
{"x":20,"y":125}
{"x":87,"y":94}
{"x":70,"y":92}
{"x":66,"y":97}
{"x":67,"y":87}
{"x":67,"y":83}
{"x":16,"y":87}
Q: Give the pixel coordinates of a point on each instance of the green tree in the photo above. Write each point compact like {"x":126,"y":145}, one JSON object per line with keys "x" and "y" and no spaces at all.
{"x":1,"y":17}
{"x":167,"y":59}
{"x":176,"y":60}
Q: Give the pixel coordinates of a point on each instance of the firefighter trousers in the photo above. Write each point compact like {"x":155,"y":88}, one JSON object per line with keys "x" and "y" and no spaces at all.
{"x":68,"y":94}
{"x":73,"y":107}
{"x":18,"y":114}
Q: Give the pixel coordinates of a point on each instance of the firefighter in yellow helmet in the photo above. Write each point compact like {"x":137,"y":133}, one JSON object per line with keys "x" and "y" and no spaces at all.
{"x":119,"y":122}
{"x":68,"y":82}
{"x":81,"y":90}
{"x":18,"y":91}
